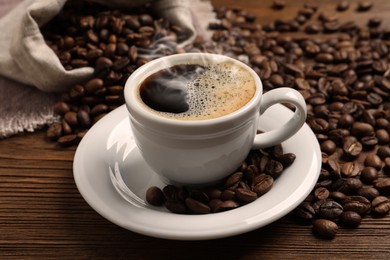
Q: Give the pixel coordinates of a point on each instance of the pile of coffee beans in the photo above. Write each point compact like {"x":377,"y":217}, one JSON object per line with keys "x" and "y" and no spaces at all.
{"x":114,"y":43}
{"x":253,"y":179}
{"x":342,"y":70}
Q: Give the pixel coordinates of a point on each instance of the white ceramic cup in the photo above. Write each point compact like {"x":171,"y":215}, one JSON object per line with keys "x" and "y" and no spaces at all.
{"x":191,"y":152}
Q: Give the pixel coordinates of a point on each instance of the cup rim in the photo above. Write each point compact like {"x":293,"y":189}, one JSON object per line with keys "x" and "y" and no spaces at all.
{"x":146,"y":117}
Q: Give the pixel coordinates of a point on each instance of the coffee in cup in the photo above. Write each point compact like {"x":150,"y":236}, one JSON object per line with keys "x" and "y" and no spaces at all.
{"x":197,"y":92}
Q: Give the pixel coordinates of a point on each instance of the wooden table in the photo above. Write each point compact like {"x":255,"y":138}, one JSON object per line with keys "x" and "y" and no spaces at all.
{"x":42,"y":214}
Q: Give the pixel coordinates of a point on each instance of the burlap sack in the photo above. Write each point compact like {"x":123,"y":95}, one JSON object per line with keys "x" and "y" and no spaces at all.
{"x":25,"y":59}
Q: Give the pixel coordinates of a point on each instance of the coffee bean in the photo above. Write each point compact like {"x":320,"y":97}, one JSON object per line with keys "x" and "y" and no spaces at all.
{"x":374,"y":161}
{"x":368,"y":192}
{"x":351,"y":146}
{"x":360,"y":129}
{"x":246,"y":195}
{"x":196,"y":206}
{"x":226,"y":205}
{"x":171,"y":193}
{"x":364,"y":6}
{"x":93,"y":85}
{"x":325,"y":228}
{"x":262,"y":184}
{"x":347,"y":185}
{"x":83,"y":118}
{"x":54,"y":131}
{"x":369,"y":174}
{"x":278,"y":4}
{"x":68,"y":140}
{"x":337,"y":196}
{"x":155,"y":196}
{"x":321,"y":193}
{"x":342,"y":6}
{"x":71,"y":118}
{"x":358,"y":204}
{"x":233,"y":180}
{"x":76,"y":92}
{"x":369,"y":142}
{"x":330,"y":210}
{"x":175,"y":206}
{"x":383,"y":136}
{"x":304,"y":211}
{"x":380,"y":205}
{"x":350,"y":169}
{"x":328,"y":147}
{"x":287,"y":159}
{"x":382,"y":185}
{"x":350,"y":219}
{"x":383,"y":152}
{"x":273,"y":168}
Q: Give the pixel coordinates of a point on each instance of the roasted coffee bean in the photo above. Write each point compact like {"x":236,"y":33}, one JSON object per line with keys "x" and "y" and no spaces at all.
{"x":351,"y":146}
{"x":66,"y":128}
{"x":226,"y":205}
{"x":358,"y":204}
{"x":196,"y":206}
{"x":330,"y":210}
{"x":374,"y":161}
{"x":305,"y":211}
{"x":68,"y":140}
{"x":102,"y":64}
{"x":386,"y":167}
{"x":274,"y":168}
{"x":171,"y":193}
{"x":364,"y":6}
{"x":380,"y":206}
{"x":287,"y":159}
{"x":214,"y":204}
{"x":93,"y":85}
{"x":321,"y":193}
{"x":71,"y":118}
{"x":350,"y":219}
{"x":383,"y":136}
{"x":155,"y":196}
{"x":360,"y":129}
{"x":350,"y":169}
{"x":342,"y":6}
{"x":76,"y":92}
{"x":369,"y":142}
{"x":233,"y":180}
{"x":54,"y":131}
{"x":347,"y":185}
{"x":382,"y":185}
{"x":383,"y":152}
{"x":83,"y":118}
{"x":325,"y":228}
{"x":246,"y":195}
{"x":262,"y":184}
{"x":228,"y":194}
{"x":328,"y":147}
{"x":278,"y":4}
{"x":368,"y":192}
{"x":60,"y":108}
{"x":369,"y":174}
{"x":176,"y":206}
{"x":337,"y":196}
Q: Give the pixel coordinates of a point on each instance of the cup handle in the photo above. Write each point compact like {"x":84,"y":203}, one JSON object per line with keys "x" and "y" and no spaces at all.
{"x":277,"y":136}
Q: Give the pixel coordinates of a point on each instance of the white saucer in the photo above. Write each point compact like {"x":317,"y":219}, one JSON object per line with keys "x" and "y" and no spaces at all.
{"x":110,"y":142}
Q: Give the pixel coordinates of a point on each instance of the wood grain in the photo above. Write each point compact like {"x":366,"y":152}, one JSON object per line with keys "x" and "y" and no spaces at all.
{"x":43,"y":216}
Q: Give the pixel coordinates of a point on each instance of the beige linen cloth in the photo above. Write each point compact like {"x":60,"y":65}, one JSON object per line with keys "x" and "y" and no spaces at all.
{"x":30,"y":72}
